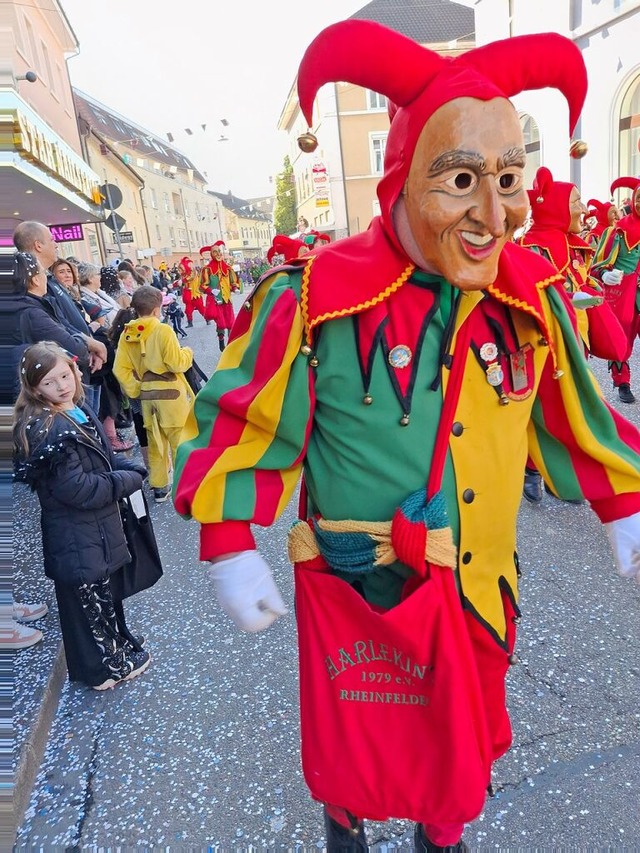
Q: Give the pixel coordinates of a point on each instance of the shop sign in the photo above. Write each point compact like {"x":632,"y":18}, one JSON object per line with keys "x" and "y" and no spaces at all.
{"x":66,"y":233}
{"x":321,"y":184}
{"x":39,"y":145}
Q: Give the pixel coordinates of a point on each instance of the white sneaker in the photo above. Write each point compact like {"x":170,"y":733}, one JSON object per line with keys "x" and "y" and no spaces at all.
{"x":20,"y":637}
{"x":29,"y":612}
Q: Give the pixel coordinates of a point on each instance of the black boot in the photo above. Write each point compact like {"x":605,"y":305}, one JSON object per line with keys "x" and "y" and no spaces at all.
{"x":221,"y":342}
{"x":423,"y":845}
{"x":343,"y":840}
{"x":189,"y":324}
{"x":532,"y":490}
{"x":625,"y":393}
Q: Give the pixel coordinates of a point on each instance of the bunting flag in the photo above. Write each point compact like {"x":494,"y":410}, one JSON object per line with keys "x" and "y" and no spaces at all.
{"x":189,"y":131}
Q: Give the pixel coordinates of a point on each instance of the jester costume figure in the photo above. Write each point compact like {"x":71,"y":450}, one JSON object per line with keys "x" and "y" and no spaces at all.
{"x":606,"y":215}
{"x":557,"y":213}
{"x":617,"y":265}
{"x":190,"y":284}
{"x":407,"y":372}
{"x":218,"y":280}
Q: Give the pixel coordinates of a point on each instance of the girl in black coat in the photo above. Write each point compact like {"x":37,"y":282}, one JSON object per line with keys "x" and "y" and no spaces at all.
{"x":63,"y":454}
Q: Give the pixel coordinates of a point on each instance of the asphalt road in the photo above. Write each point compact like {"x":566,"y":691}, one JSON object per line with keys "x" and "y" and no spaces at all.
{"x":202,"y":751}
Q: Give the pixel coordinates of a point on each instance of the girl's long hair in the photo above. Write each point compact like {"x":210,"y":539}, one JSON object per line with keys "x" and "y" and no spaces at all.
{"x":38,"y":360}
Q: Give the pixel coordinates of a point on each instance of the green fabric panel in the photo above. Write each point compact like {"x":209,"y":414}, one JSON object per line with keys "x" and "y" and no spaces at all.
{"x":240,"y":494}
{"x":361,"y":463}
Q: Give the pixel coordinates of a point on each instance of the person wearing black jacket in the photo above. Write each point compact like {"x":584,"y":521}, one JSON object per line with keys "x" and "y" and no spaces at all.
{"x":36,"y":239}
{"x":61,"y":451}
{"x":30,"y":315}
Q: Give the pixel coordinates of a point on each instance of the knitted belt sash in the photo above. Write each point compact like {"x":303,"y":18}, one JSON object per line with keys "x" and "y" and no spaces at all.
{"x":419,"y":533}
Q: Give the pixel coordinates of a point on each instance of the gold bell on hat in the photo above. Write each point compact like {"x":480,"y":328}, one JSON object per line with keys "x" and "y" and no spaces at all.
{"x":308,"y":142}
{"x":578,"y":149}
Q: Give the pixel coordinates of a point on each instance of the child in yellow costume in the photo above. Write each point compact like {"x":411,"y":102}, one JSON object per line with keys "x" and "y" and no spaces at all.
{"x":150,"y":365}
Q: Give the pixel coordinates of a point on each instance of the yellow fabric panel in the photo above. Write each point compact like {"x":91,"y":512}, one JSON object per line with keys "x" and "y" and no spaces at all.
{"x":492,"y":465}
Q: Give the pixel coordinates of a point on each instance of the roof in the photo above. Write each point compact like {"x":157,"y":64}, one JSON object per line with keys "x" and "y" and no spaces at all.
{"x":116,"y":128}
{"x":424,"y":21}
{"x":240,"y":206}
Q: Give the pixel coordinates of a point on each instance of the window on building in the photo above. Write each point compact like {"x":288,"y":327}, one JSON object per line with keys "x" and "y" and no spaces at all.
{"x":172,"y":236}
{"x":158,"y":234}
{"x":375,"y":101}
{"x":18,"y":36}
{"x":33,"y":50}
{"x":378,"y":145}
{"x":176,"y":204}
{"x":47,"y":67}
{"x":165,"y":202}
{"x":531,"y":134}
{"x":629,"y":132}
{"x":154,"y":199}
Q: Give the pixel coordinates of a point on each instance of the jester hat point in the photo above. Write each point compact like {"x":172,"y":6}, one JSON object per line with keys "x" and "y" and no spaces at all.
{"x":599,"y":209}
{"x":549,"y":201}
{"x":628,"y":183}
{"x":283,"y":245}
{"x":418,"y":81}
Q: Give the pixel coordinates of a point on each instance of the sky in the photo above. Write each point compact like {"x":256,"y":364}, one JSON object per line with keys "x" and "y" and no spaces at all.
{"x":193,"y":62}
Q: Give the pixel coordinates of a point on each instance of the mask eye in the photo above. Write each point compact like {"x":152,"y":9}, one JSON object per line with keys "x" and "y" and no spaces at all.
{"x":461,"y":183}
{"x":509,"y":182}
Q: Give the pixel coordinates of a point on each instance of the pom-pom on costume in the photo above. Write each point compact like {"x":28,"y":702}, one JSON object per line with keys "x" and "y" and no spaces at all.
{"x":619,"y":250}
{"x":407,"y":371}
{"x":218,"y":280}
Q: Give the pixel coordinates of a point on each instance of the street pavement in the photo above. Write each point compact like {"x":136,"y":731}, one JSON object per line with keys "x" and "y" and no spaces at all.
{"x":202,"y":751}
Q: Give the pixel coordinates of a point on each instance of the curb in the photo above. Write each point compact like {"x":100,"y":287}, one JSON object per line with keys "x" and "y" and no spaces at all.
{"x":31,"y":753}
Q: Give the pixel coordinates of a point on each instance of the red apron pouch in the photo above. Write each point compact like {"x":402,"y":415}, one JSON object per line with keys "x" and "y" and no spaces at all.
{"x":392,"y":718}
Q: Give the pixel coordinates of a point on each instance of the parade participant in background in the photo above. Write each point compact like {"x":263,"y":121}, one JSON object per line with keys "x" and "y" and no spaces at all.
{"x":62,"y":452}
{"x":617,"y":265}
{"x":286,"y":248}
{"x":606,"y":215}
{"x":150,"y":366}
{"x":557,"y":213}
{"x":428,"y":350}
{"x":221,"y":281}
{"x":191,"y":294}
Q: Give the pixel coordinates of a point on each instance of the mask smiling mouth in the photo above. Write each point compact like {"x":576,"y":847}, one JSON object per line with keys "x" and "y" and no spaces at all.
{"x":477,"y":245}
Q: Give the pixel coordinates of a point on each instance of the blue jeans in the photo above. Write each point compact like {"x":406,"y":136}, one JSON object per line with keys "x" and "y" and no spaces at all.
{"x":92,"y":397}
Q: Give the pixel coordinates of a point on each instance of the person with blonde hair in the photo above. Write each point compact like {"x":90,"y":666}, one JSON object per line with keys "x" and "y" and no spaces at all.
{"x":62,"y":453}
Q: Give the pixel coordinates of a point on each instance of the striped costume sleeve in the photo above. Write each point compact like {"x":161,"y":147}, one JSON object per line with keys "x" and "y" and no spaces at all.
{"x":606,"y":253}
{"x":581,"y":446}
{"x":245,"y":439}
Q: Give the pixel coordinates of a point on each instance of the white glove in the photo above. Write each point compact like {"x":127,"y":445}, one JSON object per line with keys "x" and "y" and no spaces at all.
{"x":246,"y":591}
{"x":612,"y":276}
{"x":624,"y":536}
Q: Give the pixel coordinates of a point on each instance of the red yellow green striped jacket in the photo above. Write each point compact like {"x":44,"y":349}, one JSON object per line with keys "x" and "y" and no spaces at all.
{"x":268,"y":411}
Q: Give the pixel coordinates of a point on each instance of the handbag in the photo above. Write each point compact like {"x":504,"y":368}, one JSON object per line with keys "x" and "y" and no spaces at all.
{"x":195,"y":377}
{"x":145,"y":568}
{"x":393,"y":722}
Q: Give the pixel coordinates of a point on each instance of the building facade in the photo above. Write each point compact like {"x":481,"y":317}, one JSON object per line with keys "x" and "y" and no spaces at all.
{"x":171,"y":215}
{"x":248,"y":225}
{"x":606,"y":31}
{"x":336,"y":185}
{"x":42,"y":173}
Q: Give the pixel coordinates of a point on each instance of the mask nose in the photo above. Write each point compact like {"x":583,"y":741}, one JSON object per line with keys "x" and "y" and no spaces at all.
{"x":489,"y":211}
